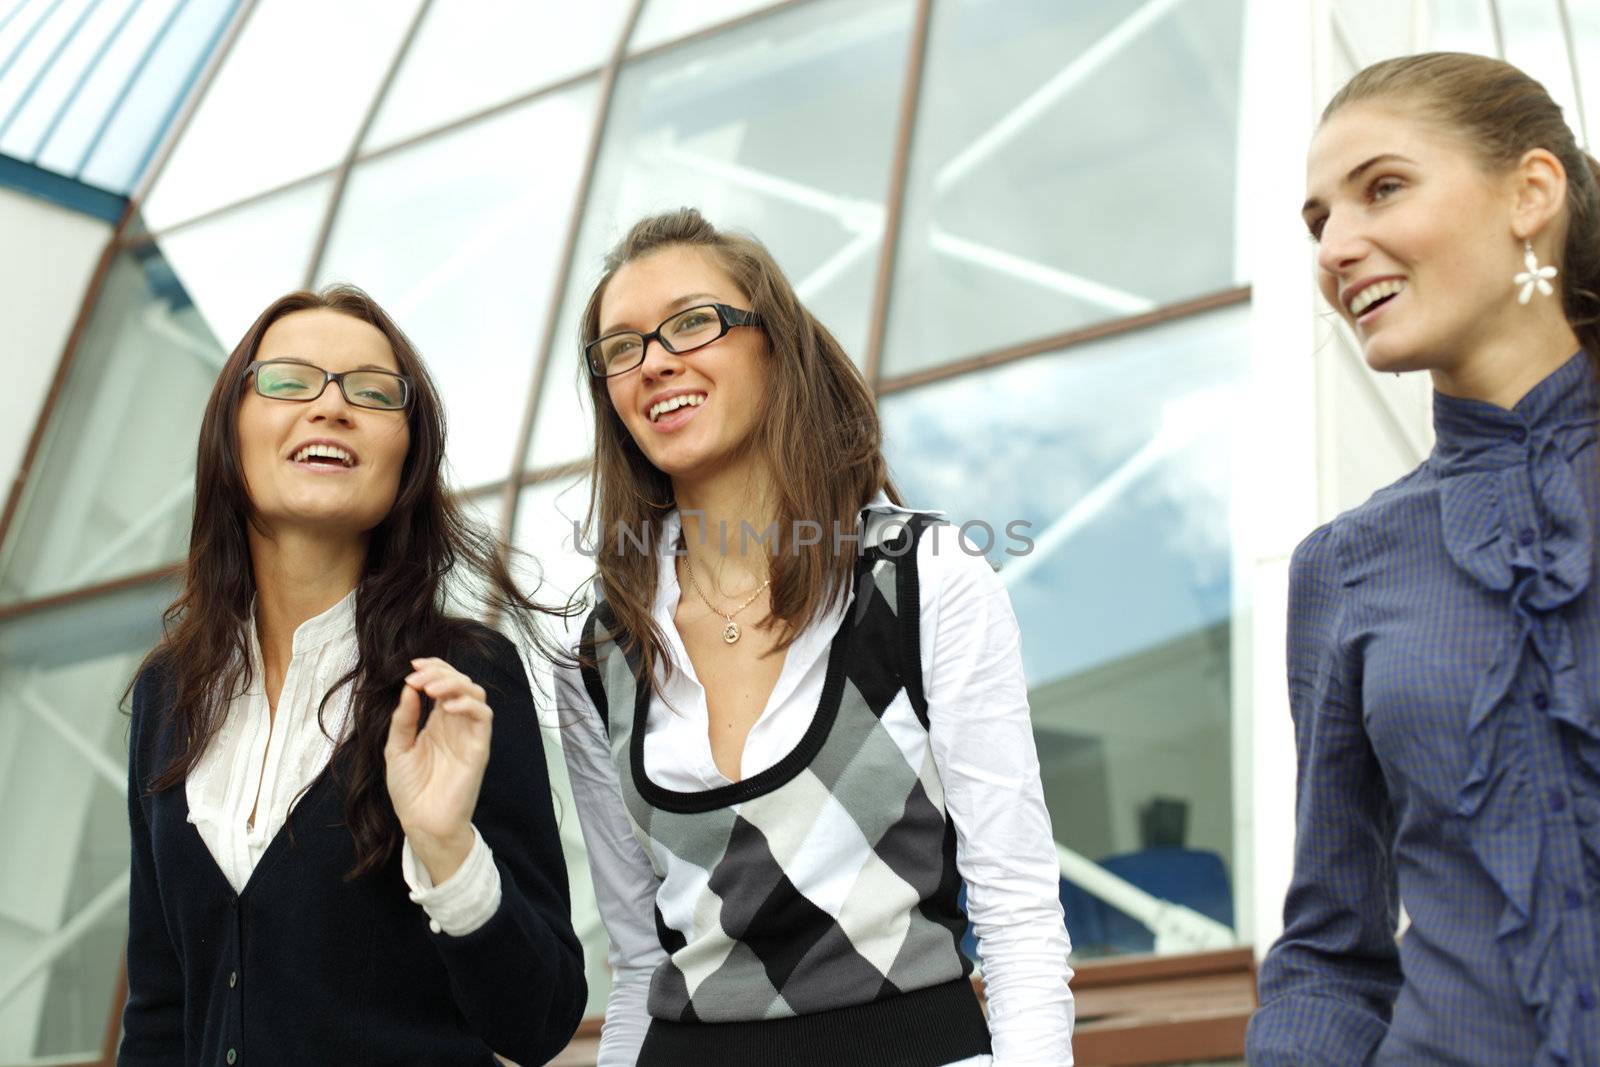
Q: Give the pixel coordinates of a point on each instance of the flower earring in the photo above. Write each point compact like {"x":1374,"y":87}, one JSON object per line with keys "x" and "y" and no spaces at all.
{"x":1534,"y":276}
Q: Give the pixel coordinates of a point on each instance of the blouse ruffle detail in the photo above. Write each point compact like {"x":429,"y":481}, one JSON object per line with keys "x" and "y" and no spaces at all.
{"x":1514,"y":520}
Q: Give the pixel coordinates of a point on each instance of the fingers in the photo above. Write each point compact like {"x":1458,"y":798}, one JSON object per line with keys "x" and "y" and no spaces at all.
{"x":403,"y":723}
{"x":452,"y":691}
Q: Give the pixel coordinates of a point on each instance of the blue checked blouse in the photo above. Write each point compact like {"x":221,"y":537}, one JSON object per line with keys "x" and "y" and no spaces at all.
{"x":1444,"y":674}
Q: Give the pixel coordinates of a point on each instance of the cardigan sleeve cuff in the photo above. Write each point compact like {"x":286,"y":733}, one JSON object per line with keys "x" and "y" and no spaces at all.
{"x":463,"y":902}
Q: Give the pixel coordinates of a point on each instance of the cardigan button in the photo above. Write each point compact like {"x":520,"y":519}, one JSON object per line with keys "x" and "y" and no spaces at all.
{"x":1525,"y":537}
{"x":1558,"y":801}
{"x":1541,"y":700}
{"x":1574,"y":899}
{"x":233,"y":979}
{"x":232,"y":1057}
{"x":1519,"y":435}
{"x":1585,"y":998}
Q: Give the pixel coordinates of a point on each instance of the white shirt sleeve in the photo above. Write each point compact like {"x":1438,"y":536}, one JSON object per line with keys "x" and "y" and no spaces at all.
{"x":625,"y":884}
{"x":982,"y":738}
{"x":464,"y":901}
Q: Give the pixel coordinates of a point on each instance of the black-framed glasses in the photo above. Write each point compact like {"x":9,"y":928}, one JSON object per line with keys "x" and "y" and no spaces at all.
{"x":290,"y":379}
{"x":686,"y":331}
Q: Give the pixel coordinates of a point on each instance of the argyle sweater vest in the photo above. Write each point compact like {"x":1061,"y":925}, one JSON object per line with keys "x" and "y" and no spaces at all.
{"x":808,"y":912}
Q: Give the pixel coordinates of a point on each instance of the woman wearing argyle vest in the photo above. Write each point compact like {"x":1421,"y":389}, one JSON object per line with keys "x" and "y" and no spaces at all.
{"x":797,"y":720}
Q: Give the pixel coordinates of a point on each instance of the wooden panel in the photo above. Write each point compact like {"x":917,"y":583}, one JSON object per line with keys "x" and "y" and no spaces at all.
{"x":1163,"y":1009}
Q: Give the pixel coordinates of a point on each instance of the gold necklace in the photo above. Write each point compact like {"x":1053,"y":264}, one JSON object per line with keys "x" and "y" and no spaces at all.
{"x":730,"y":632}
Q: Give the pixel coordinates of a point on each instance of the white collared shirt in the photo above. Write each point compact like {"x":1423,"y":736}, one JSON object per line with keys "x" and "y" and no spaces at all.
{"x":282,"y":754}
{"x":982,"y":741}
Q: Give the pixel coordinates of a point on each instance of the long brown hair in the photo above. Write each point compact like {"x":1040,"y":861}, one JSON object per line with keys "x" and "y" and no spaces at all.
{"x":818,"y":428}
{"x":411,"y":557}
{"x":1502,"y":114}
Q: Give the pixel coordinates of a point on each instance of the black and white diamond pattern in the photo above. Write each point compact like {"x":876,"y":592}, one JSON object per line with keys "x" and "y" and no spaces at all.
{"x":831,"y":887}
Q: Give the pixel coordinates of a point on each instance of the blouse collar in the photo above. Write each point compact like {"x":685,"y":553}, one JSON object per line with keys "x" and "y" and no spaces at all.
{"x":1477,"y":435}
{"x":332,"y":625}
{"x":337,"y":623}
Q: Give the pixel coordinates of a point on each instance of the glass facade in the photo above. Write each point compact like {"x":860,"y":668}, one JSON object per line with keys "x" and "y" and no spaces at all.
{"x":1020,"y":216}
{"x":1072,"y":164}
{"x":63,"y":814}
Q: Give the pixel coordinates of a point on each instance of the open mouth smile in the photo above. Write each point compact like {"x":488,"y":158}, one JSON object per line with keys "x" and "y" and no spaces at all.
{"x":1373,"y":295}
{"x":683,"y":402}
{"x":323,"y":455}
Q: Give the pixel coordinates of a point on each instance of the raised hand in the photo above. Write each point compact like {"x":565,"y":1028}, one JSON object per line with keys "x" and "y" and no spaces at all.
{"x":434,"y":773}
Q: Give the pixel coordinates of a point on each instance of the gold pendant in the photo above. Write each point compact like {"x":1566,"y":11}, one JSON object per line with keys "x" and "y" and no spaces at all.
{"x":730,"y":632}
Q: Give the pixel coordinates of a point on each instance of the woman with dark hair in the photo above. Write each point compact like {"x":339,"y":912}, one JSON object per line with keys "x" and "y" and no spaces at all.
{"x":1444,"y":637}
{"x":786,"y":765}
{"x":324,"y":871}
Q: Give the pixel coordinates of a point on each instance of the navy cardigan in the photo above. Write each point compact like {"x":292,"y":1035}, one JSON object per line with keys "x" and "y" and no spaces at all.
{"x":305,"y":967}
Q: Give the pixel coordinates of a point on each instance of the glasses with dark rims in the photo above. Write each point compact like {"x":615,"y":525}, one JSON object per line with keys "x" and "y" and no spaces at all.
{"x":290,"y":379}
{"x":692,"y":328}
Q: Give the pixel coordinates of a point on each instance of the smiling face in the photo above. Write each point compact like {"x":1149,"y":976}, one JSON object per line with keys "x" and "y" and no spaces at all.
{"x":692,"y":415}
{"x":323,"y":464}
{"x":1415,"y":242}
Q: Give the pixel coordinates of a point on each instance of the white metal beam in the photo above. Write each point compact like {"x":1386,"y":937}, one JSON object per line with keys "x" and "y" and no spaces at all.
{"x":1028,"y":270}
{"x":1168,"y":440}
{"x":1177,"y":928}
{"x":158,"y":512}
{"x":103,"y":765}
{"x":59,"y":943}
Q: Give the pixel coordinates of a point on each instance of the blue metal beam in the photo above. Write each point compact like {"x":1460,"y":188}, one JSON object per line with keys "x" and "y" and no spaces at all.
{"x":60,"y":190}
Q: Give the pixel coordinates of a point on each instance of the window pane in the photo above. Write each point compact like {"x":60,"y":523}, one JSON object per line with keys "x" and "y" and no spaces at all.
{"x":234,"y":264}
{"x":1462,"y":26}
{"x":286,"y":103}
{"x":31,"y":118}
{"x":102,"y":81}
{"x":458,"y":238}
{"x":1373,"y":29}
{"x":544,"y":531}
{"x":1124,"y":594}
{"x":1073,"y":163}
{"x":120,"y":157}
{"x":472,"y":54}
{"x":666,"y":20}
{"x":20,"y":17}
{"x":545,"y":514}
{"x":63,"y":761}
{"x":1586,"y":42}
{"x":46,"y":34}
{"x":783,"y":128}
{"x":68,"y":148}
{"x":110,"y":492}
{"x":1536,"y":42}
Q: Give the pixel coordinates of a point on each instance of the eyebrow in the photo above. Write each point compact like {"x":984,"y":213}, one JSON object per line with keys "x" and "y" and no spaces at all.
{"x":1357,"y":171}
{"x":686,"y":301}
{"x":306,"y":362}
